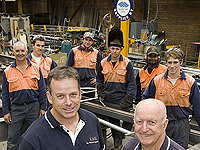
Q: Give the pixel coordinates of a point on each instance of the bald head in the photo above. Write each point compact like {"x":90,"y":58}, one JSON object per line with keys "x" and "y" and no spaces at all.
{"x":150,"y":123}
{"x":152,"y":105}
{"x":20,"y":52}
{"x":19,"y":43}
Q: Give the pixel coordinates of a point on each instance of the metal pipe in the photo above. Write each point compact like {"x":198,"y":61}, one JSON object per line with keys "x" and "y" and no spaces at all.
{"x":113,"y":126}
{"x":91,"y":91}
{"x":88,"y":99}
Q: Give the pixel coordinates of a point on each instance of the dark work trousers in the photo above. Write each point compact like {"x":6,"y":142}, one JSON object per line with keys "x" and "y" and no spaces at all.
{"x":126,"y":125}
{"x":117,"y":134}
{"x":179,"y":131}
{"x":20,"y":114}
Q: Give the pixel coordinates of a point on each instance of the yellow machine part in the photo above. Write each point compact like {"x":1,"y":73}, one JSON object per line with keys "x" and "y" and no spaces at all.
{"x":125,"y":30}
{"x":77,"y":29}
{"x":170,"y":46}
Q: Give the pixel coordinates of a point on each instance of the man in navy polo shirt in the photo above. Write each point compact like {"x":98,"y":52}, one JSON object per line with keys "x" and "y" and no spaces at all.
{"x":150,"y":123}
{"x":65,"y":125}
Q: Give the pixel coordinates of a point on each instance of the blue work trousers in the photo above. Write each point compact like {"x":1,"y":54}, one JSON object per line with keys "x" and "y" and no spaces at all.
{"x":20,"y":114}
{"x":179,"y":131}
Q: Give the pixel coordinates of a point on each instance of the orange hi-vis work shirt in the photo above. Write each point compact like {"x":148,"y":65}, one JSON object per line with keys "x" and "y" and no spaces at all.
{"x":19,"y":88}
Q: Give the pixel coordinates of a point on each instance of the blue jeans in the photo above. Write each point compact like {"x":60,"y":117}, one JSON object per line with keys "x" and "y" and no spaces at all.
{"x":179,"y":131}
{"x":19,"y":114}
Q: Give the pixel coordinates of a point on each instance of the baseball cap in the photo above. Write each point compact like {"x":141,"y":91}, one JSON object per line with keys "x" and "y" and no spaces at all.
{"x":88,"y":34}
{"x":152,"y":50}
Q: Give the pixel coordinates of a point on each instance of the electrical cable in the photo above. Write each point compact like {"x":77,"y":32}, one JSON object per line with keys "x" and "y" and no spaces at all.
{"x":156,"y":12}
{"x":147,"y":16}
{"x":148,"y":13}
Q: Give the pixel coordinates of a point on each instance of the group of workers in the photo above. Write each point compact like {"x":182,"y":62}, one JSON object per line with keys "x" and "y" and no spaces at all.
{"x":163,"y":95}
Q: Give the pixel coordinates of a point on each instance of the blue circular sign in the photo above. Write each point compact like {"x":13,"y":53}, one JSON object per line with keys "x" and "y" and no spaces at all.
{"x":123,"y":9}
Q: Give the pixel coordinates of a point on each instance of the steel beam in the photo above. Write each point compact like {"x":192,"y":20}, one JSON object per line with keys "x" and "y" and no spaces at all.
{"x":108,"y":111}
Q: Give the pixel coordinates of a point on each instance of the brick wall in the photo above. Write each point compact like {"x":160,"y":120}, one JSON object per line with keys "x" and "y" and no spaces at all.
{"x":178,"y":18}
{"x":180,"y":21}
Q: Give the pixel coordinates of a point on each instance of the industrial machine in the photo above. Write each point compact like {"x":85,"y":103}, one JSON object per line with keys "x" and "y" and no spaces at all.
{"x":13,"y":28}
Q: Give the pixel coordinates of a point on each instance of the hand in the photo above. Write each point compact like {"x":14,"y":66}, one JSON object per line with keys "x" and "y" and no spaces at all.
{"x":126,"y":102}
{"x":42,"y":112}
{"x":7,"y":118}
{"x":100,"y":90}
{"x":93,"y":81}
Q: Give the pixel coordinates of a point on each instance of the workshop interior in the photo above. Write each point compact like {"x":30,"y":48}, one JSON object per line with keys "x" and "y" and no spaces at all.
{"x":164,"y":24}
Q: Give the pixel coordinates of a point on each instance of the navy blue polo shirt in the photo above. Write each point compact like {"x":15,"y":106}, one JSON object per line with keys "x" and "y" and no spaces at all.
{"x":47,"y":134}
{"x":168,"y":144}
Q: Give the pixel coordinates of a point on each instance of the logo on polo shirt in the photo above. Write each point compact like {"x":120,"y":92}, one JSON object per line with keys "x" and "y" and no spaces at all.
{"x":92,"y":140}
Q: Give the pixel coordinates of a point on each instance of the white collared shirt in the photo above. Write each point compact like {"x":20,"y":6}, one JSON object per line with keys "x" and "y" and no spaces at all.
{"x":73,"y":136}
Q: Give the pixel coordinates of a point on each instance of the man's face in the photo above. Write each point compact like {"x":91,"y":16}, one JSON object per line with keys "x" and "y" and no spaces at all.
{"x":115,"y":52}
{"x":65,"y":99}
{"x":20,"y":52}
{"x":173,"y":66}
{"x":149,"y":128}
{"x":87,"y":41}
{"x":38,"y":48}
{"x":152,"y":59}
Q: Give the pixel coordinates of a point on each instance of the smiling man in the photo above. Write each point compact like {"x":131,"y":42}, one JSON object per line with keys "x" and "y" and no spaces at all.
{"x":150,"y":123}
{"x":46,"y":64}
{"x":178,"y":91}
{"x":23,"y":94}
{"x":85,"y":59}
{"x":65,"y":126}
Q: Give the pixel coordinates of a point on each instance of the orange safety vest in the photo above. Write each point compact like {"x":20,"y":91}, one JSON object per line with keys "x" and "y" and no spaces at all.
{"x":173,"y":95}
{"x":82,"y":60}
{"x":145,"y":77}
{"x":116,"y":74}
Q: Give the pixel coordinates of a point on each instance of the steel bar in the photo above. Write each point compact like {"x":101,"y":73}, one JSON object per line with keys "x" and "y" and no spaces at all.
{"x":108,"y":111}
{"x":88,"y":99}
{"x":5,"y":58}
{"x":113,"y":126}
{"x":194,"y":136}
